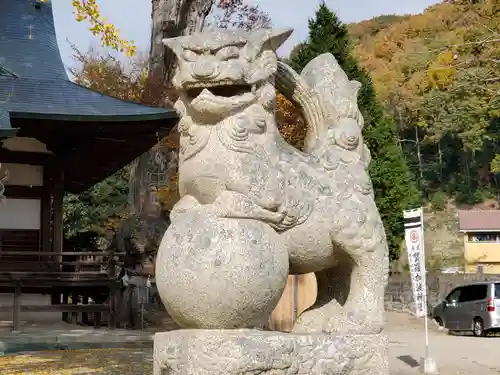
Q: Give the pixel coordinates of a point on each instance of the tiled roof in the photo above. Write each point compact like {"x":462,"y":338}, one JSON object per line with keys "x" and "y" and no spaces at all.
{"x":478,"y":220}
{"x":33,"y":79}
{"x":61,"y":99}
{"x":38,"y":99}
{"x":28,"y":44}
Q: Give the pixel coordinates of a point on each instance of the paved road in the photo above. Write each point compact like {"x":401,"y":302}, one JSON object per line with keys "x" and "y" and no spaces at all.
{"x":455,"y":355}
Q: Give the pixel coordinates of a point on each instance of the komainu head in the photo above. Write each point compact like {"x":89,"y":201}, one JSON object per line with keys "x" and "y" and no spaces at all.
{"x":227,"y":63}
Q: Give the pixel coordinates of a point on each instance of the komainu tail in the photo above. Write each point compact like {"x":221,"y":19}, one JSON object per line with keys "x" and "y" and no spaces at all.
{"x":297,"y":90}
{"x":325,"y":95}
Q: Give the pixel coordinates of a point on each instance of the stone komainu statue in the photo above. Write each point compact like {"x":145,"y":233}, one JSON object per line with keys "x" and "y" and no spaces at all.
{"x":253,"y":208}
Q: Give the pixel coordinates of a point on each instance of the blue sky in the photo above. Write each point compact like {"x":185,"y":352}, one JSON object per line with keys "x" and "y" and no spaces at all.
{"x":133,"y":18}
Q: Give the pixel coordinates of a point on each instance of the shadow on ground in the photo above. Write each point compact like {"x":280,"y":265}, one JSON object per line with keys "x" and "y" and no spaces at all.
{"x":409,"y":360}
{"x":69,"y":362}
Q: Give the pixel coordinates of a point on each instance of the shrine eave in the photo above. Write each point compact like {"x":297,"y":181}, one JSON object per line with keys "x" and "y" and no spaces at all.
{"x":94,"y":118}
{"x":62,"y":100}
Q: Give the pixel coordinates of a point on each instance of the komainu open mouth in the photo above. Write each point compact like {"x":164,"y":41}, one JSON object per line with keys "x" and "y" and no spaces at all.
{"x":226,"y":91}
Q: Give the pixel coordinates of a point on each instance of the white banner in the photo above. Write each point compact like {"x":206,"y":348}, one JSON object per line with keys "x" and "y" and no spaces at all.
{"x":414,"y":239}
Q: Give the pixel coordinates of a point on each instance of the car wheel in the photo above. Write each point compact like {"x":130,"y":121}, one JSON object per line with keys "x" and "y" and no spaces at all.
{"x":439,"y":321}
{"x":478,"y":328}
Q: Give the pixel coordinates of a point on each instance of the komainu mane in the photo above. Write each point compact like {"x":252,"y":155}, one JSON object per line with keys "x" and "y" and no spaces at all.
{"x":253,"y":208}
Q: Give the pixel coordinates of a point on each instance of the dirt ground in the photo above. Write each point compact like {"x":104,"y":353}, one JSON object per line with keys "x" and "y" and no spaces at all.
{"x":455,"y":355}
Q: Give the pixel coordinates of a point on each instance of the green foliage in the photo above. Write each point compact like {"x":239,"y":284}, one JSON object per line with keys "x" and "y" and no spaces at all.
{"x":96,"y":213}
{"x":467,"y":197}
{"x":441,"y":68}
{"x":495,"y":164}
{"x":438,"y":201}
{"x":394,"y":190}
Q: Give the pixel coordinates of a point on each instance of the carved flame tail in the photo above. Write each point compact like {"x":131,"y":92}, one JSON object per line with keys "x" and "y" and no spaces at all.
{"x":297,"y":90}
{"x":324,"y":93}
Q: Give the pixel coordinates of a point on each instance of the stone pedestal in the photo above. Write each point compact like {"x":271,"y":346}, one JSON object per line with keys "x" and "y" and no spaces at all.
{"x":252,"y":352}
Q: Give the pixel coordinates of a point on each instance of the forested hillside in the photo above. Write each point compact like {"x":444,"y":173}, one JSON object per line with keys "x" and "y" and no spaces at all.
{"x":438,"y":74}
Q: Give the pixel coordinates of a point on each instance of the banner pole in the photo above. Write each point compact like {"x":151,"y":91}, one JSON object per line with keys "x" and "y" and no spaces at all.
{"x":425,"y":287}
{"x":415,"y":244}
{"x":429,"y":365}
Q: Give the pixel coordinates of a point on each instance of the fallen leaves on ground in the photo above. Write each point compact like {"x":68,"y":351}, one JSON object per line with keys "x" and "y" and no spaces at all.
{"x":79,"y":362}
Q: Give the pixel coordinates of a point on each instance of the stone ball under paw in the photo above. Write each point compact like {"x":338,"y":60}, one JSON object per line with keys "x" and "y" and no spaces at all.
{"x":214,"y":272}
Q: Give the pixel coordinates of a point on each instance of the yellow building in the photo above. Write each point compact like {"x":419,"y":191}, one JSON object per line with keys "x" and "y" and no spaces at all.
{"x":481,"y":231}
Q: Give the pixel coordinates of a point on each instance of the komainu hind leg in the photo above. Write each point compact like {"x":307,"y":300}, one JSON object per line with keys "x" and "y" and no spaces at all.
{"x":351,"y":294}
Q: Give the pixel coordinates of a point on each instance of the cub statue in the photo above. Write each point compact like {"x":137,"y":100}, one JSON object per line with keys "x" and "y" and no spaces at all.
{"x":253,"y":208}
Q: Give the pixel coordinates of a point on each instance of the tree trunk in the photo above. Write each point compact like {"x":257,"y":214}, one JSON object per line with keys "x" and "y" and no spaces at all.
{"x":440,"y":153}
{"x":398,"y":130}
{"x":419,"y":155}
{"x":170,"y":18}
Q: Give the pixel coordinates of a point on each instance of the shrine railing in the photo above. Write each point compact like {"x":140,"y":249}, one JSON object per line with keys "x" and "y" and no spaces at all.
{"x":68,"y":276}
{"x":75,"y":264}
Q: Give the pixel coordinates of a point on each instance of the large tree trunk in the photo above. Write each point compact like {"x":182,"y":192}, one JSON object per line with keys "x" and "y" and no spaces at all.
{"x":173,"y":18}
{"x":153,"y":170}
{"x":170,"y":18}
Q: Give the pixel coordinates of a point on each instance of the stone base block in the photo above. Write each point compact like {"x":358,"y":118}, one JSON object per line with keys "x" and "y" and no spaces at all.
{"x":252,"y":352}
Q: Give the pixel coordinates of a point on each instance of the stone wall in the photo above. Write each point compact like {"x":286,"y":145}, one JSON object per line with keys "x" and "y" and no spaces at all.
{"x":399,"y":295}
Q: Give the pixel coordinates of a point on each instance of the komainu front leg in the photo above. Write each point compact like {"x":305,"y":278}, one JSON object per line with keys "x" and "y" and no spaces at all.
{"x":229,"y":204}
{"x":236,"y":205}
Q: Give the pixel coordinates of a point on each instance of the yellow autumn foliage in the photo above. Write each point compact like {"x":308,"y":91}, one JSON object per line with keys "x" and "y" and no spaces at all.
{"x":72,"y":362}
{"x":442,"y":72}
{"x":88,"y":10}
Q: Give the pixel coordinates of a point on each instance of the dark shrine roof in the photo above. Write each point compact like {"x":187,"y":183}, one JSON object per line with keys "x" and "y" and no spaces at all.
{"x":61,"y":100}
{"x":34,"y":86}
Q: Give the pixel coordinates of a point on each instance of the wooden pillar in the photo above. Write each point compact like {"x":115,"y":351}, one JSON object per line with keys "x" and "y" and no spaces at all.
{"x":55,"y":297}
{"x":85,"y":315}
{"x":46,"y":227}
{"x":112,"y":294}
{"x":97,"y":319}
{"x":46,"y":210}
{"x":56,"y":233}
{"x":65,"y":298}
{"x":16,"y":313}
{"x":57,"y":202}
{"x":112,"y":308}
{"x":57,"y":191}
{"x":74,"y":301}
